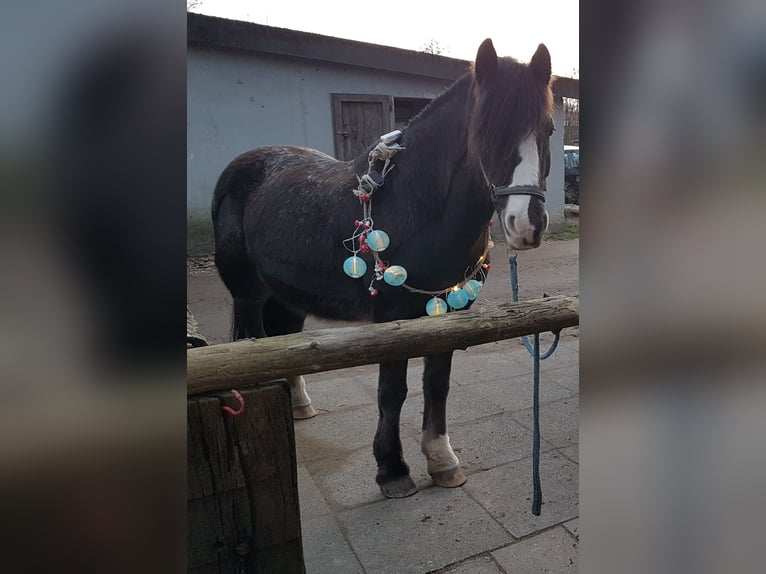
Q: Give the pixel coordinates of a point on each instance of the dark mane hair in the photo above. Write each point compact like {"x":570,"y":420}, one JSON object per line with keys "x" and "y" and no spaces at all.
{"x":512,"y":104}
{"x":442,"y":100}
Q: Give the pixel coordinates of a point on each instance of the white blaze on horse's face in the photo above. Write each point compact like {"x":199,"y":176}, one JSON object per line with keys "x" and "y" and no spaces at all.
{"x":524,"y":219}
{"x":528,"y":125}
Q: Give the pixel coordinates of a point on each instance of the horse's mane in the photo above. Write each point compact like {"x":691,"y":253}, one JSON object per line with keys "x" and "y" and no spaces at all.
{"x":514,"y":102}
{"x":441,"y":100}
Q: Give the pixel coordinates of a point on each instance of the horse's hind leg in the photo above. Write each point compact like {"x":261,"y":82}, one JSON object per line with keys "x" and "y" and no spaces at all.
{"x":443,"y":465}
{"x":248,"y":318}
{"x":393,"y":473}
{"x":278,"y":319}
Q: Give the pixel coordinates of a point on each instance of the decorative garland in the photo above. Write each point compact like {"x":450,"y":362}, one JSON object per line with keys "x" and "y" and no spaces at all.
{"x":367,"y":239}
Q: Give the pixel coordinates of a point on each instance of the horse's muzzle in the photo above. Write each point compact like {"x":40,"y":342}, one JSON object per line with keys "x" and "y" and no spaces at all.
{"x":524,"y":225}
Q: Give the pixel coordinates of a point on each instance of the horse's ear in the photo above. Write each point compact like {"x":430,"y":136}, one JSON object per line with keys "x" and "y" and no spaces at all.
{"x":486,"y":62}
{"x":541,"y":64}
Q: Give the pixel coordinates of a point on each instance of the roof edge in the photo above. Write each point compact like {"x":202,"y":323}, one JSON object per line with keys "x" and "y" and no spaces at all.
{"x":221,"y":32}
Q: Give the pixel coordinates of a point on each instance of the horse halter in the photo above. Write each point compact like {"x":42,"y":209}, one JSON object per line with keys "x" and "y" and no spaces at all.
{"x":506,"y":190}
{"x":534,"y":190}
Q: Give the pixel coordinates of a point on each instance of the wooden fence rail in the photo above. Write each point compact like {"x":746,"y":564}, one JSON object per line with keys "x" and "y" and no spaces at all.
{"x":222,"y":367}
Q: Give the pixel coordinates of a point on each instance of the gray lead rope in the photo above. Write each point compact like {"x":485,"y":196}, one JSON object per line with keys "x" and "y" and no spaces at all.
{"x":534,"y":350}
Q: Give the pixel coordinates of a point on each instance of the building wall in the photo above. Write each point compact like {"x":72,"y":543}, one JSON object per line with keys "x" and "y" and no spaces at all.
{"x":554,"y":201}
{"x":238,"y":100}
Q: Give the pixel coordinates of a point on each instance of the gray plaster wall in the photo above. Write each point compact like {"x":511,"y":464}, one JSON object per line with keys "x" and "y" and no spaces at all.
{"x":239,"y":100}
{"x":554,"y":201}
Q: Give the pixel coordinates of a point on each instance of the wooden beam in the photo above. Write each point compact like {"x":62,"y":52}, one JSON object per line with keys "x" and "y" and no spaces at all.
{"x":566,"y":87}
{"x":222,"y":367}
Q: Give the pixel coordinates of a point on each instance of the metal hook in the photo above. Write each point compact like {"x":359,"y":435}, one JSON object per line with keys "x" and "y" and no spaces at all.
{"x":241,"y":408}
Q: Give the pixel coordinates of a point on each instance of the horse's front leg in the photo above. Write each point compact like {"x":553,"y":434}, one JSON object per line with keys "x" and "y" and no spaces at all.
{"x":443,"y":465}
{"x":393,"y":473}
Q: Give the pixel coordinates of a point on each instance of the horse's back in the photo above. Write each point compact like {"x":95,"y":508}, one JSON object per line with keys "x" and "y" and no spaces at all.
{"x":246,"y":172}
{"x":245,"y":176}
{"x":280,"y":214}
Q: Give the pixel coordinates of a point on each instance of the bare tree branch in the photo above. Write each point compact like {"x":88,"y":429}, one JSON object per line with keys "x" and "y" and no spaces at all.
{"x":433,"y":47}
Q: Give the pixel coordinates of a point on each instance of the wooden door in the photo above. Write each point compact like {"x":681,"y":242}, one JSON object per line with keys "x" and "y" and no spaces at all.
{"x":358,"y":121}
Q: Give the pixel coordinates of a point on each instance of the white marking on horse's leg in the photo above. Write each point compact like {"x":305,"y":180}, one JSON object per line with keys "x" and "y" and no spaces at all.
{"x":528,"y":171}
{"x":302,"y":408}
{"x":298,"y":390}
{"x":443,"y":465}
{"x":438,"y":452}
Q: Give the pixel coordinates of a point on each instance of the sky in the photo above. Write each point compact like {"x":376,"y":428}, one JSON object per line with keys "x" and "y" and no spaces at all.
{"x":516,"y":28}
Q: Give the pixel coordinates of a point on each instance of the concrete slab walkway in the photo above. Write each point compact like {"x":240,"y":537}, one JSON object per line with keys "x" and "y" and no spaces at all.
{"x":485,"y":526}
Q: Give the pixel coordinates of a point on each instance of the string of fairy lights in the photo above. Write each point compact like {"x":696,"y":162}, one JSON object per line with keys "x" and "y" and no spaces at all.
{"x":368,"y":240}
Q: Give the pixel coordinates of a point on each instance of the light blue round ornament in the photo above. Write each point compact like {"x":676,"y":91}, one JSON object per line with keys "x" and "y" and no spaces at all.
{"x":457,"y":299}
{"x":472,"y":288}
{"x":436,"y":306}
{"x":395,"y":275}
{"x":354,"y":267}
{"x":378,"y":240}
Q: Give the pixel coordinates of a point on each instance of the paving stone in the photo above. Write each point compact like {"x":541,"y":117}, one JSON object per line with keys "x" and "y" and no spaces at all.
{"x":490,"y":442}
{"x":550,"y":552}
{"x":572,"y":453}
{"x":515,"y":393}
{"x":349,"y":481}
{"x":483,"y":564}
{"x":506,"y":493}
{"x":463,"y":405}
{"x":336,"y":394}
{"x":415,"y":375}
{"x":422,"y":533}
{"x":367,"y":375}
{"x":573,"y":526}
{"x":572,"y":345}
{"x":567,"y":377}
{"x":364,"y":372}
{"x":559,"y":421}
{"x":325,"y":550}
{"x":333,"y":434}
{"x":571,"y":338}
{"x":487,"y":362}
{"x":311,"y":500}
{"x":563,"y":356}
{"x":299,"y":456}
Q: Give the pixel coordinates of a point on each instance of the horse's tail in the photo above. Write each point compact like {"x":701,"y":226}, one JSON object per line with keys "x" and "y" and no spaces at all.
{"x":237,"y":271}
{"x":237,"y":181}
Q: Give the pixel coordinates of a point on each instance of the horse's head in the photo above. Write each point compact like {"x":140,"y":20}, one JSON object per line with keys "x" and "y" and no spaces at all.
{"x":509,"y":133}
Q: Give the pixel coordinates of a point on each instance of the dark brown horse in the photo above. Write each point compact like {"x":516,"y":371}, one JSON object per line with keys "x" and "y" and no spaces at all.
{"x":281,"y":216}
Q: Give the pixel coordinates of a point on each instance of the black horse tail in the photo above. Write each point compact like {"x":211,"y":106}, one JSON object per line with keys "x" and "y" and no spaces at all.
{"x":238,"y":273}
{"x":242,"y":280}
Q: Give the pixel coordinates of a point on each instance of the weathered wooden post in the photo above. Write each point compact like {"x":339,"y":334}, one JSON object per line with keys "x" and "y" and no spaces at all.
{"x":243,"y":512}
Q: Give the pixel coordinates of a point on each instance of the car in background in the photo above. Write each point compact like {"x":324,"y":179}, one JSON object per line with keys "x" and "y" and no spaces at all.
{"x":572,"y":174}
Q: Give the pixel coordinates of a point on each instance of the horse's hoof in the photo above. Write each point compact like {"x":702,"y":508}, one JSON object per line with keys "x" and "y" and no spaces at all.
{"x":451,"y":478}
{"x":304,"y":412}
{"x":401,"y":487}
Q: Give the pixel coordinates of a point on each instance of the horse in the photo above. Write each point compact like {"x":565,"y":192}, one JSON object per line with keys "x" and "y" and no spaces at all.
{"x":283,"y":215}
